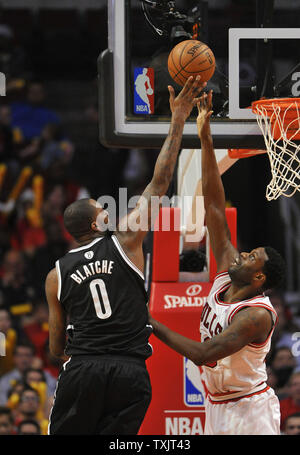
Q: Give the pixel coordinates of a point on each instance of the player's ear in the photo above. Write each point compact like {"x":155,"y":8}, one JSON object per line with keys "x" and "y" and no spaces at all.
{"x":259,"y":279}
{"x":94,"y":226}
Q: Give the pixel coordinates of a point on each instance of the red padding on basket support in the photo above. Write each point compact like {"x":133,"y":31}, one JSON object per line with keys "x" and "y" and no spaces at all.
{"x":166,"y":240}
{"x":231,"y":217}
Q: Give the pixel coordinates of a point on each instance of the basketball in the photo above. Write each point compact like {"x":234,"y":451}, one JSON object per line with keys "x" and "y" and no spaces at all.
{"x":190,"y":58}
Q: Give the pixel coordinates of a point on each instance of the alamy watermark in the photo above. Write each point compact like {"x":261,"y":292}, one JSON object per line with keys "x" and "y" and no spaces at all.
{"x":140,"y":213}
{"x":296,"y":86}
{"x":2,"y":84}
{"x":296,"y":346}
{"x":2,"y":345}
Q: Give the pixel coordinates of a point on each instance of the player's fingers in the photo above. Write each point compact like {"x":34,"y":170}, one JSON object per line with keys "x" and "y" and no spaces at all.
{"x":209,"y":99}
{"x":199,"y":101}
{"x":196,"y":87}
{"x":171,"y":91}
{"x":172,"y":95}
{"x":187,"y":86}
{"x":196,"y":101}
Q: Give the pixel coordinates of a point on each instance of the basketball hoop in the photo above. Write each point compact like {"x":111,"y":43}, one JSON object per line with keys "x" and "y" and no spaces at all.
{"x":244,"y":153}
{"x":279,"y":122}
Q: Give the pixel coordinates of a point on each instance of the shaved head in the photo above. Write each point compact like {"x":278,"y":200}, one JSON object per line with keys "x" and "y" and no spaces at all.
{"x":79,"y":216}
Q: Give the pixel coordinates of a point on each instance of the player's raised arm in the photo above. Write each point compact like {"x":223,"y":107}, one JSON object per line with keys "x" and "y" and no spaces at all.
{"x":213,"y":190}
{"x":181,"y":107}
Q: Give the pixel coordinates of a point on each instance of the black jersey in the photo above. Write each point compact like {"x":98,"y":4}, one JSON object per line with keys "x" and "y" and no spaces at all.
{"x":104,"y":296}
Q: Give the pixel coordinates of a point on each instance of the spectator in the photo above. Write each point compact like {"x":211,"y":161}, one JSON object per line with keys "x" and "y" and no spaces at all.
{"x":16,"y":293}
{"x":23,"y":357}
{"x":286,"y":325}
{"x":49,"y":149}
{"x":291,"y":403}
{"x":6,"y":422}
{"x":37,"y":330}
{"x":272,"y":379}
{"x":36,"y":378}
{"x":27,"y":237}
{"x":5,"y":241}
{"x":7,"y":361}
{"x":54,"y":147}
{"x":31,"y":116}
{"x":13,"y":395}
{"x":45,"y":256}
{"x":55,"y":202}
{"x":14,"y":135}
{"x":6,"y":135}
{"x":292,"y":424}
{"x":29,"y":427}
{"x":283,"y":364}
{"x":28,"y":408}
{"x":33,"y":375}
{"x":52,"y":364}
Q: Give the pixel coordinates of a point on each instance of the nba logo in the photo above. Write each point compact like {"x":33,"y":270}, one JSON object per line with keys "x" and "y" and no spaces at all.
{"x":193,"y":387}
{"x":143,"y":90}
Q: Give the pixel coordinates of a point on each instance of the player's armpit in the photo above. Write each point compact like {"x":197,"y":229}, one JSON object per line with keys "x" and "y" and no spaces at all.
{"x":57,"y":317}
{"x":133,"y":228}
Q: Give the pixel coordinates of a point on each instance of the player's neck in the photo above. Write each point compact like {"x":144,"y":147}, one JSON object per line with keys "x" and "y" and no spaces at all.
{"x":237,"y":293}
{"x":85,"y":240}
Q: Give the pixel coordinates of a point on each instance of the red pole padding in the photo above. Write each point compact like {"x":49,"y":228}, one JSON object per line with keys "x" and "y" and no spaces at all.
{"x":166,"y":239}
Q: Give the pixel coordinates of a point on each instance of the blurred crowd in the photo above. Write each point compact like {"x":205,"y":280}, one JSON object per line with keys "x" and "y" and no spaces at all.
{"x":37,"y":160}
{"x":42,"y":170}
{"x":35,"y":189}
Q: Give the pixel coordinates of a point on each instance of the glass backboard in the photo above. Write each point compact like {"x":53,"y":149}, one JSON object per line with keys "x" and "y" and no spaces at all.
{"x":256,"y":46}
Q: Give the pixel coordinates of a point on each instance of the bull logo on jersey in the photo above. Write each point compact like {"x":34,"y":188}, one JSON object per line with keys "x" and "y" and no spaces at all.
{"x":89,"y":255}
{"x":193,"y":386}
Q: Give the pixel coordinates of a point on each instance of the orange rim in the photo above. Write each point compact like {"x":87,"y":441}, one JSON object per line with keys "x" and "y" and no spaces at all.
{"x":244,"y":153}
{"x":269,"y":103}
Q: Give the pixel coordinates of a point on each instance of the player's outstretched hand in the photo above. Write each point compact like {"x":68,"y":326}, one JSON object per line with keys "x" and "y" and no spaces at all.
{"x":181,"y":106}
{"x":204,"y":105}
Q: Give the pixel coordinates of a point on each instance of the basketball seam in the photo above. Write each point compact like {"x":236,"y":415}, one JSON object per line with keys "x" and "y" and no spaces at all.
{"x":176,"y":76}
{"x":174,"y":62}
{"x":182,"y":53}
{"x":199,"y":71}
{"x":182,"y":67}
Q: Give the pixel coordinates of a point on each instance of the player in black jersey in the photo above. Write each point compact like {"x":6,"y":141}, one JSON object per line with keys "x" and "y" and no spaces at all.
{"x":96,"y":292}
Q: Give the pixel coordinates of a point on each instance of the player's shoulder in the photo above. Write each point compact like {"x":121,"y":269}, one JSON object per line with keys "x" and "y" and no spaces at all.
{"x":220,"y":282}
{"x":221,"y":278}
{"x":51,"y":277}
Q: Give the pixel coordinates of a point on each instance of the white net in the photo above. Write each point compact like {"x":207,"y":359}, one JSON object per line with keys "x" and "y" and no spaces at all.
{"x":280,"y":126}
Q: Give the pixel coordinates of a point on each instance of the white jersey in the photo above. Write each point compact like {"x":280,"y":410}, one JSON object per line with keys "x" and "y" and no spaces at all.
{"x":243,"y":373}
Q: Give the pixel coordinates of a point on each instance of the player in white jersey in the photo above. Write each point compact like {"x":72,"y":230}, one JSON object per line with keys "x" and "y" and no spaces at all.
{"x":237,"y":321}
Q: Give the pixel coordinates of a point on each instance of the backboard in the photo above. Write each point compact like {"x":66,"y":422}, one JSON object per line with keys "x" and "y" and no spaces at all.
{"x":256,"y":47}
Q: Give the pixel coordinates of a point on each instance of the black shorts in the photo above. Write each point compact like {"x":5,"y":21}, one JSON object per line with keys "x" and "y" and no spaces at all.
{"x":100,"y":395}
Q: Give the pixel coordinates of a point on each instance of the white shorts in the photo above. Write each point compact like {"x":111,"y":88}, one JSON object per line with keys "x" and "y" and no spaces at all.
{"x":255,"y":415}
